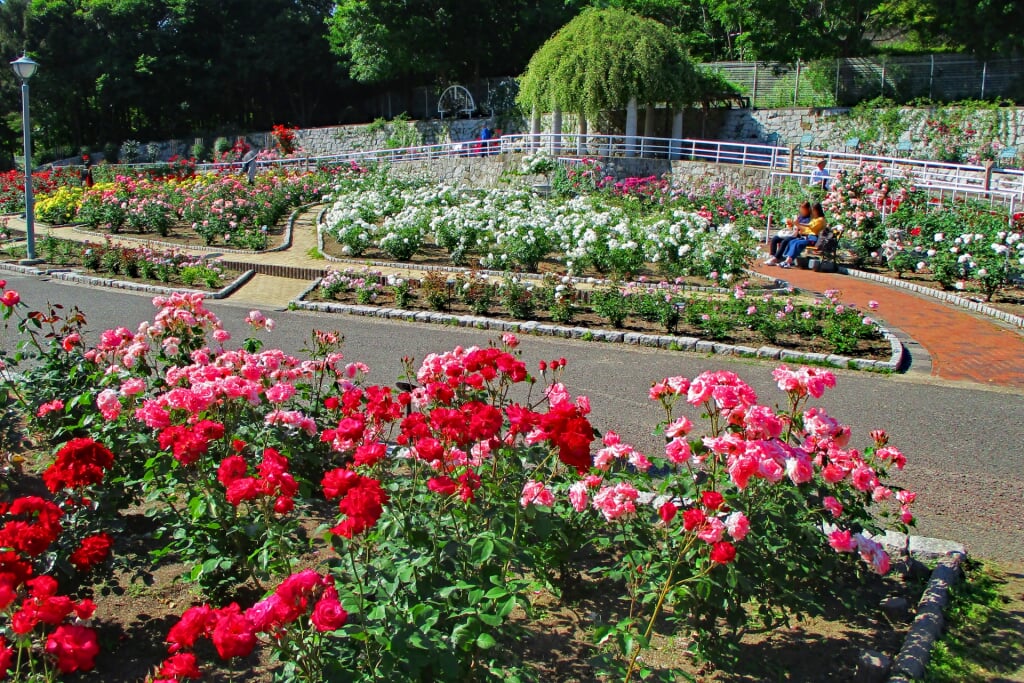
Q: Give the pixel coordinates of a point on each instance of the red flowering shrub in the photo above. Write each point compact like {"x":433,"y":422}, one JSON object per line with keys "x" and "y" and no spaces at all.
{"x":94,"y":551}
{"x":289,"y":618}
{"x":457,"y":497}
{"x":285,"y":138}
{"x":79,"y":463}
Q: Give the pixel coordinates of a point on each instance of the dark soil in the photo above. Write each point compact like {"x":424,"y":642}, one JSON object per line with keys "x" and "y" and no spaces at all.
{"x":182,"y":235}
{"x":433,"y":255}
{"x":866,"y":348}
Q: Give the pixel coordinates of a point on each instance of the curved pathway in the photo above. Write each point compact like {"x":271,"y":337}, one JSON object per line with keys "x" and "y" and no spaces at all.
{"x":963,"y":347}
{"x":963,"y":441}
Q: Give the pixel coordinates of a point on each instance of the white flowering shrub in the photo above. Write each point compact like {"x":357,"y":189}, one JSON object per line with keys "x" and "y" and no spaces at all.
{"x":508,"y":229}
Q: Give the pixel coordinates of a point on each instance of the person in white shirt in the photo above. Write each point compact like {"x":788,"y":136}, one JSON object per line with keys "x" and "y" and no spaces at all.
{"x":821,"y":176}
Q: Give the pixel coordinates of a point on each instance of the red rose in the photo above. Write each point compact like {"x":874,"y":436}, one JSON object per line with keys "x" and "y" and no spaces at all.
{"x":336,"y":483}
{"x":444,"y":486}
{"x":235,"y":634}
{"x":723,"y":552}
{"x":328,"y":615}
{"x":712,"y":500}
{"x":74,"y":647}
{"x":232,"y":468}
{"x":80,"y":462}
{"x":6,"y":656}
{"x":241,"y":490}
{"x":93,"y":551}
{"x":195,"y":622}
{"x":180,"y":666}
{"x":667,"y":511}
{"x":693,"y":518}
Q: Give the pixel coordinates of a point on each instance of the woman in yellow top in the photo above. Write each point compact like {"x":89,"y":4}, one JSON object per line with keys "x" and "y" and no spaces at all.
{"x":808,"y":235}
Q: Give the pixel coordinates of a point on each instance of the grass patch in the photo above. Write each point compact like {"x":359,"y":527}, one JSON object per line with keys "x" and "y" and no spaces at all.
{"x":983,"y":639}
{"x":315,"y":254}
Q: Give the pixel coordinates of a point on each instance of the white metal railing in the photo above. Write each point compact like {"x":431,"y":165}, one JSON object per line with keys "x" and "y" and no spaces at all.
{"x":932,"y":175}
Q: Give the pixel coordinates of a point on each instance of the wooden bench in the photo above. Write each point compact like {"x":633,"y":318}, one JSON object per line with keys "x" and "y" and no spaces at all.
{"x":823,"y":258}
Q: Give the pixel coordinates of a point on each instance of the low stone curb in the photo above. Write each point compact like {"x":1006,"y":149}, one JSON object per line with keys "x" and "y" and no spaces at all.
{"x":109,"y":283}
{"x":947,"y":297}
{"x":692,"y":344}
{"x":911,"y":661}
{"x":285,"y":245}
{"x":777,"y":284}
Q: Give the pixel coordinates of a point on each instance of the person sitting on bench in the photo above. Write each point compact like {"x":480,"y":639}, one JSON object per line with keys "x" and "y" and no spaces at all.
{"x":779,"y":242}
{"x":809,"y":235}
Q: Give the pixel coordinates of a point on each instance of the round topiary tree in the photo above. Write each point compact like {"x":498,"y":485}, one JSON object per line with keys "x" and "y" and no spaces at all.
{"x":609,"y":59}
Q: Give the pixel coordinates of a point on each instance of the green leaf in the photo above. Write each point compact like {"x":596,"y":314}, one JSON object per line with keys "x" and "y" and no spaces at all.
{"x":485,"y":641}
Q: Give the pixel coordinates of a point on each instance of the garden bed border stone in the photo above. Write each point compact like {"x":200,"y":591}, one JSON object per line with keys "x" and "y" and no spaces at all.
{"x":911,"y":661}
{"x":614,"y":336}
{"x":947,"y":297}
{"x":111,"y":283}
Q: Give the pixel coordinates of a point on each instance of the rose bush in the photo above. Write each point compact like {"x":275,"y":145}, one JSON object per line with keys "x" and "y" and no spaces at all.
{"x":448,"y":501}
{"x":610,"y":231}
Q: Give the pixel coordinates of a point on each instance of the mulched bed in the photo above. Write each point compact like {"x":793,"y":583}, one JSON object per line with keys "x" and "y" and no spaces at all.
{"x":174,"y":282}
{"x":874,"y":348}
{"x":432,"y":255}
{"x":183,"y":236}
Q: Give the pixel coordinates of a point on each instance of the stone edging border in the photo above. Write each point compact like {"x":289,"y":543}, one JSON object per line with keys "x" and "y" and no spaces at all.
{"x":285,"y":245}
{"x":777,"y":284}
{"x":910,"y":662}
{"x":70,"y":276}
{"x":651,"y":340}
{"x":947,"y":297}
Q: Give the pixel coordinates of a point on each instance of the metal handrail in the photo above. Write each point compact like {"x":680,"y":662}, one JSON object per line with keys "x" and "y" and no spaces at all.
{"x":934,"y":175}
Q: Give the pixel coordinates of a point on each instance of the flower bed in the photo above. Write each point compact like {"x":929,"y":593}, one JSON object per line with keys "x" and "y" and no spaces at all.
{"x":12,"y":186}
{"x":167,"y":267}
{"x":208,"y":208}
{"x":954,"y":244}
{"x":612,"y":233}
{"x":453,"y":503}
{"x":736,"y":316}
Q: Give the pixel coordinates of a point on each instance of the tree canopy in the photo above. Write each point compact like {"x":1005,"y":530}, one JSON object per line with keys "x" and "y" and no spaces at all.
{"x":150,"y":69}
{"x":605,"y":57}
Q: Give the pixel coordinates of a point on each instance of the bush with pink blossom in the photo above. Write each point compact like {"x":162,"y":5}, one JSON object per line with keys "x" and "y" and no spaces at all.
{"x":449,"y":503}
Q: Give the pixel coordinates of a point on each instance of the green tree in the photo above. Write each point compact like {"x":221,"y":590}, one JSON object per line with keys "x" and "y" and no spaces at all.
{"x":605,"y":57}
{"x":445,"y":40}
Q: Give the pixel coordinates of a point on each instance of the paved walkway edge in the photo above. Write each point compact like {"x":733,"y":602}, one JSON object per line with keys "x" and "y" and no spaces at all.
{"x":614,"y":336}
{"x":911,"y":661}
{"x":70,"y":276}
{"x":947,"y":297}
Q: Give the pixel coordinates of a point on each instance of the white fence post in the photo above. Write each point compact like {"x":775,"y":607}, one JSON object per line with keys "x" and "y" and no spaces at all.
{"x":796,"y":85}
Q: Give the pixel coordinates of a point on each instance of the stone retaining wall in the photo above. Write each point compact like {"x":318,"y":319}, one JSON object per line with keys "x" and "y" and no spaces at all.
{"x":831,"y":128}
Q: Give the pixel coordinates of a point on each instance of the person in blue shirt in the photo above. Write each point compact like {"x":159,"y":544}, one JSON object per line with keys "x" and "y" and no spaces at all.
{"x":821,"y":176}
{"x":485,"y":140}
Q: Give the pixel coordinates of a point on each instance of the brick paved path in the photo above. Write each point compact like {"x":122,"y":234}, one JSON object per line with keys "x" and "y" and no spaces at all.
{"x":962,"y":346}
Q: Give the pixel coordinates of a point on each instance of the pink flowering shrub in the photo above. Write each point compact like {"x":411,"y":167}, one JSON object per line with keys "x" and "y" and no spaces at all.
{"x":447,"y":503}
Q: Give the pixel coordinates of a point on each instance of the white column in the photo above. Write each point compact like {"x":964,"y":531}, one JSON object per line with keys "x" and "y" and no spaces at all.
{"x":631,"y":123}
{"x":556,"y":131}
{"x":535,"y":128}
{"x":581,"y":139}
{"x":677,"y":133}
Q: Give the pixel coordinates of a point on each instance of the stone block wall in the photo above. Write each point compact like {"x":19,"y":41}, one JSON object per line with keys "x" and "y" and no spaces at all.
{"x":829,"y":129}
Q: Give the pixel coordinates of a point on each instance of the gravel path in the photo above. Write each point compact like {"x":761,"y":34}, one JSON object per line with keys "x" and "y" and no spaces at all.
{"x":963,"y":441}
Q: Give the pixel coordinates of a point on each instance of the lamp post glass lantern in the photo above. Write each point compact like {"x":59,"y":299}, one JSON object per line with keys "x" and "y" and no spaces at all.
{"x":25,"y":68}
